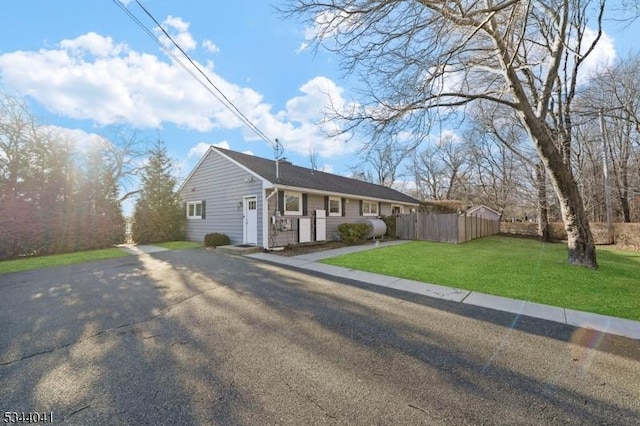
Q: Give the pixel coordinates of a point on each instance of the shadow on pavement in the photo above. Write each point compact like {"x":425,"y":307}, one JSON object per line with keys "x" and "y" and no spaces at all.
{"x":195,"y":336}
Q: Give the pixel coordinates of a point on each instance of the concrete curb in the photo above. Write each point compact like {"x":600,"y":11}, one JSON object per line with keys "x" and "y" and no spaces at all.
{"x":309,"y":262}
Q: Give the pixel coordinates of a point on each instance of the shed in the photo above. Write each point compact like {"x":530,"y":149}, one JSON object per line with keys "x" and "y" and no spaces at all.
{"x":483,"y":212}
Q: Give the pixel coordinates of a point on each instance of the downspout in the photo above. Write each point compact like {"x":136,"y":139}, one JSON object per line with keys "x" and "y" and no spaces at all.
{"x":266,"y":232}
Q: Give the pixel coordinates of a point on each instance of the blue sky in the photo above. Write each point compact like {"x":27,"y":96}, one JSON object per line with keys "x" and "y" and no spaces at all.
{"x":88,"y":67}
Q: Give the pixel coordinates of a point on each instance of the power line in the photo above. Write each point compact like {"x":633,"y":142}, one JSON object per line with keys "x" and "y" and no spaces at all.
{"x":220,"y":96}
{"x":228,"y":101}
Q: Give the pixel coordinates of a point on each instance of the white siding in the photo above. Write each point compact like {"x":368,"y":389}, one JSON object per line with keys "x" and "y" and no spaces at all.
{"x":222,"y":184}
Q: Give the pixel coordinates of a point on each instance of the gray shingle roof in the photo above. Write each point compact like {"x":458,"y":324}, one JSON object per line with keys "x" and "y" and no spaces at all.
{"x":301,"y":177}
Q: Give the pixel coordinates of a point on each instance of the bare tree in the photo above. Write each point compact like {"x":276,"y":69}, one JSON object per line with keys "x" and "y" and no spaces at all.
{"x":18,"y":132}
{"x":55,"y":196}
{"x":314,"y":160}
{"x":612,"y":98}
{"x":496,"y":170}
{"x":422,"y":59}
{"x":380,"y":164}
{"x":501,"y":141}
{"x":442,"y":170}
{"x":125,"y":161}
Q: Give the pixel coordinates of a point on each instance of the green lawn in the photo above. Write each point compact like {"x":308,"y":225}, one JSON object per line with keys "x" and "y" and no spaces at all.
{"x":516,"y":268}
{"x":30,"y":263}
{"x":178,"y":245}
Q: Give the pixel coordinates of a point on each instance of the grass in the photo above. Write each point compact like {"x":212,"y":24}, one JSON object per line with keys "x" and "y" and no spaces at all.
{"x":516,"y":268}
{"x":30,"y":263}
{"x":178,"y":245}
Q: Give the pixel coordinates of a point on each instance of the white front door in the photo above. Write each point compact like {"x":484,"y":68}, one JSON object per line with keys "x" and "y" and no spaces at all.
{"x":250,"y":220}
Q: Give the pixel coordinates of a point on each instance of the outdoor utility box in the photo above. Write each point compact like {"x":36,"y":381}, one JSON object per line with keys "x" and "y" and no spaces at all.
{"x":321,"y":225}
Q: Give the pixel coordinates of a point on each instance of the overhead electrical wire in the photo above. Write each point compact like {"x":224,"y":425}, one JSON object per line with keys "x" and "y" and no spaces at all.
{"x":208,"y":85}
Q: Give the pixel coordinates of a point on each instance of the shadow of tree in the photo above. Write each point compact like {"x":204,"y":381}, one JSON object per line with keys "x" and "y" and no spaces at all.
{"x":199,"y":337}
{"x":295,"y":298}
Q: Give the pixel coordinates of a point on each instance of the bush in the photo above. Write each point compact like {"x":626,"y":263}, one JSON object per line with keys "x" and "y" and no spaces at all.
{"x":390,"y":221}
{"x":216,"y":239}
{"x":352,"y":233}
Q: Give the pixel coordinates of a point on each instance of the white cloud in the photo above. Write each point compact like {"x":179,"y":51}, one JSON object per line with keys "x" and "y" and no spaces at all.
{"x":223,"y":145}
{"x":176,"y":23}
{"x":210,"y":46}
{"x":317,"y":93}
{"x":91,"y":78}
{"x":179,"y":32}
{"x":447,"y":136}
{"x":198,"y":151}
{"x":94,"y":78}
{"x":327,"y":168}
{"x":94,"y":44}
{"x":602,"y":56}
{"x":326,"y":25}
{"x":82,"y":141}
{"x":302,"y":126}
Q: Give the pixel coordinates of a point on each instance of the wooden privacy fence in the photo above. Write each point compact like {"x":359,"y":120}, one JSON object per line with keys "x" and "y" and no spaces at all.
{"x":444,"y":228}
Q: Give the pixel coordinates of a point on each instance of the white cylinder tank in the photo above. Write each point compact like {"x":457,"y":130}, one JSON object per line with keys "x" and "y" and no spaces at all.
{"x":378,"y":228}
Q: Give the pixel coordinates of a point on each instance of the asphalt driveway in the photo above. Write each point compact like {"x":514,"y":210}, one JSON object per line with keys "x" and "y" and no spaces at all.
{"x":199,"y":337}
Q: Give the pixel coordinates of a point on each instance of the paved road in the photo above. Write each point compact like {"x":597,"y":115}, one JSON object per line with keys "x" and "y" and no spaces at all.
{"x":198,"y":337}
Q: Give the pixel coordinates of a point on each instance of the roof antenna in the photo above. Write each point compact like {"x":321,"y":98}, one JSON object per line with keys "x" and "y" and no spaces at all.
{"x":278,"y":150}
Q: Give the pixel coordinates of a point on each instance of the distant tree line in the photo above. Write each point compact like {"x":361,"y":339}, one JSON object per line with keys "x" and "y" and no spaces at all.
{"x":56,"y":196}
{"x":420,"y":64}
{"x":490,"y":160}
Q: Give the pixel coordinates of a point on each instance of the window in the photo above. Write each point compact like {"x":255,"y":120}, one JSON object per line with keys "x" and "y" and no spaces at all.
{"x":292,"y":203}
{"x":396,"y":209}
{"x":335,"y":206}
{"x":194,"y":210}
{"x":369,"y":208}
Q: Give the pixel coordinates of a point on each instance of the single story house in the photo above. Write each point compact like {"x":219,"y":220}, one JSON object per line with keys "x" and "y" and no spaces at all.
{"x":268,"y":203}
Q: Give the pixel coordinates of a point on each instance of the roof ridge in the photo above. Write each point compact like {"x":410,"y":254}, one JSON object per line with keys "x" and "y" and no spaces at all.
{"x":298,"y":176}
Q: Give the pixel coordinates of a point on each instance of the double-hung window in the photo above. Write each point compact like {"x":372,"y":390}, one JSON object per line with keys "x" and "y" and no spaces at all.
{"x":292,"y":203}
{"x":194,"y":210}
{"x":335,"y":206}
{"x":369,"y":208}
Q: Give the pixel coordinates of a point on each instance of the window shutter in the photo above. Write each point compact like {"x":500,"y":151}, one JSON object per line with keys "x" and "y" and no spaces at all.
{"x":360,"y":207}
{"x":343,"y":207}
{"x":326,"y":204}
{"x":184,"y":206}
{"x":281,"y":202}
{"x":304,"y":204}
{"x":204,"y":209}
{"x":379,"y":207}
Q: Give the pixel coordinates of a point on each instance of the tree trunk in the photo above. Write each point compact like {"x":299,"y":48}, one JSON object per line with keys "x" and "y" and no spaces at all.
{"x":581,"y":245}
{"x":626,"y":209}
{"x":582,"y":250}
{"x":543,"y":214}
